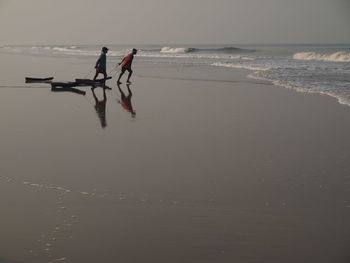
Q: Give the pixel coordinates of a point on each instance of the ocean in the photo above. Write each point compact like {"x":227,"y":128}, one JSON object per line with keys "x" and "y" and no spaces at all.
{"x":323,"y":69}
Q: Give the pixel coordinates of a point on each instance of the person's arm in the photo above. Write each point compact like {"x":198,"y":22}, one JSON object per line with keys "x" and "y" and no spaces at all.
{"x":97,"y":62}
{"x":122,"y":61}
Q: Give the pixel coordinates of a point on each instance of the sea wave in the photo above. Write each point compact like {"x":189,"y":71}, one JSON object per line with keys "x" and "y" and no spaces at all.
{"x":340,"y":56}
{"x":64,"y":49}
{"x":227,"y":50}
{"x":176,"y":50}
{"x":181,"y":50}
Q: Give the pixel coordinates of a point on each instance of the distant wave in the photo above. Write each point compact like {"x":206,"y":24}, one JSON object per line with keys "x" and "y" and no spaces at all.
{"x":55,"y":51}
{"x":176,"y":50}
{"x":182,"y":50}
{"x":340,"y":56}
{"x":65,"y":49}
{"x":227,"y":50}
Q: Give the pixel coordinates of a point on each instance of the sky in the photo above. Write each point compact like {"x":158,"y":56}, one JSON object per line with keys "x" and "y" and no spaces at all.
{"x":174,"y":21}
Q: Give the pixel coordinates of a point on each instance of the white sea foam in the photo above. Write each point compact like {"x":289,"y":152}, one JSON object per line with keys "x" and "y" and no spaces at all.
{"x":60,"y":259}
{"x":245,"y":58}
{"x":180,"y":50}
{"x":63,"y":50}
{"x":340,"y":56}
{"x":240,"y":66}
{"x":341,"y":98}
{"x":279,"y":83}
{"x":184,"y":50}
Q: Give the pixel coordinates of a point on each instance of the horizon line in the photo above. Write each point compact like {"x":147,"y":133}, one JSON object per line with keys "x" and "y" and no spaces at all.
{"x":169,"y":44}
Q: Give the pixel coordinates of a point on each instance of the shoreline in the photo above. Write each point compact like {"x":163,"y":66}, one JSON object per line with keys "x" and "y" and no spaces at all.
{"x":300,"y":89}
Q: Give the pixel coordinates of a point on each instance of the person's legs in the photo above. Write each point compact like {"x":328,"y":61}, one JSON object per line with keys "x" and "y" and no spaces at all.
{"x":130,"y":73}
{"x":96,"y":74}
{"x":104,"y":78}
{"x":121,"y":74}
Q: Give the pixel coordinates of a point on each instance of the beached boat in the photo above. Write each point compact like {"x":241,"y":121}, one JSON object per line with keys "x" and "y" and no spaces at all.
{"x":64,"y":84}
{"x":91,"y":81}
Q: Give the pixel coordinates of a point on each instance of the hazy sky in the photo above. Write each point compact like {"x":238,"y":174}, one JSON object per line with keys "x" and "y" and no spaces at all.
{"x":174,"y":21}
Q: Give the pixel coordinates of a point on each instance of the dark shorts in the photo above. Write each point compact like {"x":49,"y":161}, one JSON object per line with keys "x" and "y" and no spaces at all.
{"x":126,"y":69}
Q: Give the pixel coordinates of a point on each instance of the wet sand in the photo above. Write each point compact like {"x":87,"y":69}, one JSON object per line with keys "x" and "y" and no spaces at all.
{"x":207,"y":171}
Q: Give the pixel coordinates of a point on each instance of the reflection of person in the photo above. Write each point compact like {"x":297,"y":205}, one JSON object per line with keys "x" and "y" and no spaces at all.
{"x":100,"y":106}
{"x":101,"y":64}
{"x":126,"y":65}
{"x":125,"y":101}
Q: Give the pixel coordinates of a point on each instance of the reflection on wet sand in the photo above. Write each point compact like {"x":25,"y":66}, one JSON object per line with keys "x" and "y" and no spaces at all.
{"x":100,"y":105}
{"x":125,"y":101}
{"x":67,"y":89}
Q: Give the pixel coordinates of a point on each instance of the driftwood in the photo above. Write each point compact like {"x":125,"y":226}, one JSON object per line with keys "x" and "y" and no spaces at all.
{"x":38,"y":80}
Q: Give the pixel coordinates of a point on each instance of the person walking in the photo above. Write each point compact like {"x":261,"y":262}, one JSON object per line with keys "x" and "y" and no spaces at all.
{"x":101,"y":64}
{"x":126,"y":66}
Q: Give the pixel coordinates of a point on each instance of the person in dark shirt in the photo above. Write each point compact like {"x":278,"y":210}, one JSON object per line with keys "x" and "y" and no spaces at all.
{"x":126,"y":65}
{"x":101,"y":64}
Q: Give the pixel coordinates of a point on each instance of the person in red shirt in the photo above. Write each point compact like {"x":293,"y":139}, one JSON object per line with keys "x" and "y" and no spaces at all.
{"x":126,"y":65}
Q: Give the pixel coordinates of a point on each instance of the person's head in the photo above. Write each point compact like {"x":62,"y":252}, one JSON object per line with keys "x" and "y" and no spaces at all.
{"x":104,"y":50}
{"x":134,"y":51}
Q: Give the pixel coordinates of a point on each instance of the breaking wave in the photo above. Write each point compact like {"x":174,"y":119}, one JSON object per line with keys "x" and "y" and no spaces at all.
{"x":175,"y":50}
{"x":340,"y":56}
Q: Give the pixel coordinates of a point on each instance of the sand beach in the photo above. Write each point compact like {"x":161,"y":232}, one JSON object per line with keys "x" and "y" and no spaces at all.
{"x":213,"y":167}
